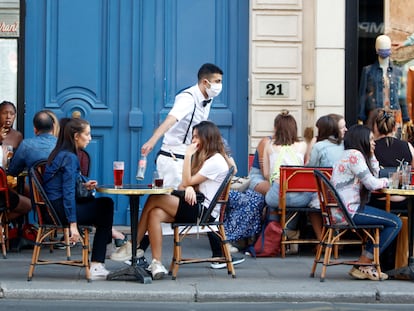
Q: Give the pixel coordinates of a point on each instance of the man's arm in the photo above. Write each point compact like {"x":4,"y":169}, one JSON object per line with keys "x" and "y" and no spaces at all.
{"x":158,"y":133}
{"x":17,"y":162}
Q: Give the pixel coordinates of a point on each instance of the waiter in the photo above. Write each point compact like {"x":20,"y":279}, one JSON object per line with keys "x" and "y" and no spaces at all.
{"x":191,"y":106}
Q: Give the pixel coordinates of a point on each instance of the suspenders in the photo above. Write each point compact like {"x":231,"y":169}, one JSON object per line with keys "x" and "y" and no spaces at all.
{"x":191,"y":120}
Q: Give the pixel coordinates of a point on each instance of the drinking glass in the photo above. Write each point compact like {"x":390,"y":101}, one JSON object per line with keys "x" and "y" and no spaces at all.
{"x":394,"y":180}
{"x":406,"y":177}
{"x":118,"y":173}
{"x":157,"y":180}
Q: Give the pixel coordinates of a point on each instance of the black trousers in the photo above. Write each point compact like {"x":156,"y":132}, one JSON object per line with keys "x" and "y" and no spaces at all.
{"x":97,"y":212}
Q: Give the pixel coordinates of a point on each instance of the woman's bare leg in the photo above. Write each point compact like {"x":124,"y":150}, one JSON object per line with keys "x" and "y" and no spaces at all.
{"x":156,"y":217}
{"x":167,"y":203}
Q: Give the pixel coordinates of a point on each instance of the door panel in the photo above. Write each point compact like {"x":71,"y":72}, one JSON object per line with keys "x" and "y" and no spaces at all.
{"x":120,"y":63}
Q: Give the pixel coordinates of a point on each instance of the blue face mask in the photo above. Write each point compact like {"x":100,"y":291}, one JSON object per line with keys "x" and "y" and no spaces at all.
{"x":384,"y":53}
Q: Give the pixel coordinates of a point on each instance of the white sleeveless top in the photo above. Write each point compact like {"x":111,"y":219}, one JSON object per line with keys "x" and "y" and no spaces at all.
{"x":287,"y":155}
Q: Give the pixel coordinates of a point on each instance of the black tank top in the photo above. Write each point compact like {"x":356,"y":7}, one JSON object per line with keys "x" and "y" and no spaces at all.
{"x":388,"y":154}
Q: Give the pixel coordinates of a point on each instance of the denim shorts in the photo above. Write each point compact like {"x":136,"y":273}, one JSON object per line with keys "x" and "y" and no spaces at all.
{"x":297,"y":199}
{"x":256,"y":177}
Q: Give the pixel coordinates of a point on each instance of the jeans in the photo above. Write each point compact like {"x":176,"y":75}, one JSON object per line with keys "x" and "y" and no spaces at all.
{"x":374,"y":216}
{"x":296,"y":199}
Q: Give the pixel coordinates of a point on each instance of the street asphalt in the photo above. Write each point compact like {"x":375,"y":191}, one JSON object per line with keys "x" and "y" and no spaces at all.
{"x":260,"y":279}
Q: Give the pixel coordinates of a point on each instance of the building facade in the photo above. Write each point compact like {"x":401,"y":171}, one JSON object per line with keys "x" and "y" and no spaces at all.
{"x":120,"y":64}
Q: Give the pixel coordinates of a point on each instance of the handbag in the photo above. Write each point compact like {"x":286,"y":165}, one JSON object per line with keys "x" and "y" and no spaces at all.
{"x":240,"y":183}
{"x":81,"y":192}
{"x":268,"y":242}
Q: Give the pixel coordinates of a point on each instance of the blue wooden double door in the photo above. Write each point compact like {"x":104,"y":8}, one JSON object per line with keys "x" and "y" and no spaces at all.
{"x":121,"y":62}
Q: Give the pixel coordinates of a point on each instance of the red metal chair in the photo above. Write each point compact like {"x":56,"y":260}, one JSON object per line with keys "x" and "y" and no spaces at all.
{"x":296,"y":179}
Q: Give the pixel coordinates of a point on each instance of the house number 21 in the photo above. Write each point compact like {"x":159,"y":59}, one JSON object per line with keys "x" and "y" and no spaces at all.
{"x":272,"y":89}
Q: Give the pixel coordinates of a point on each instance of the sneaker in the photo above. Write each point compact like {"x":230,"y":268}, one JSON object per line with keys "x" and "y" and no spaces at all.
{"x":233,"y":249}
{"x":98,"y":271}
{"x":221,"y":265}
{"x":141,"y":262}
{"x":61,"y":244}
{"x":157,"y":269}
{"x":125,"y":252}
{"x":120,"y":242}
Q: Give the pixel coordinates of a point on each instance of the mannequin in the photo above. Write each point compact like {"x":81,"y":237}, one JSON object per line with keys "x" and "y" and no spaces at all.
{"x":380,"y":85}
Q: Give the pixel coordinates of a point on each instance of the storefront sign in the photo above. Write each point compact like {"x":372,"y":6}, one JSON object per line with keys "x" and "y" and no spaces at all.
{"x":9,"y":19}
{"x":7,"y":28}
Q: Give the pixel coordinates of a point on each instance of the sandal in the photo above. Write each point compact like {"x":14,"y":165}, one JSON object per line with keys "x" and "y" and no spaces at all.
{"x":367,"y":272}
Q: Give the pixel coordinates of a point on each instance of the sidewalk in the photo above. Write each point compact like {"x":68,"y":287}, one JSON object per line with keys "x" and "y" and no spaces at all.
{"x":262,"y":279}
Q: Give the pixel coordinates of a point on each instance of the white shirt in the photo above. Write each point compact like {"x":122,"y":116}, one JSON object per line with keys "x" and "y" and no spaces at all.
{"x":182,"y":110}
{"x":215,"y":170}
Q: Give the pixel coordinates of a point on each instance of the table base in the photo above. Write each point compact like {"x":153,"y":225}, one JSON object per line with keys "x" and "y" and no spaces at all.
{"x":131,"y":273}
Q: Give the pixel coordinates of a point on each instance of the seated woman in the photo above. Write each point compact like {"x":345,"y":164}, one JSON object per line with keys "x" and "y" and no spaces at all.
{"x":390,"y":151}
{"x":244,"y":211}
{"x":204,"y":169}
{"x":340,"y":121}
{"x":354,"y":176}
{"x":258,"y":182}
{"x":60,"y":176}
{"x":20,"y":205}
{"x":284,"y":149}
{"x":327,"y":150}
{"x":8,"y":135}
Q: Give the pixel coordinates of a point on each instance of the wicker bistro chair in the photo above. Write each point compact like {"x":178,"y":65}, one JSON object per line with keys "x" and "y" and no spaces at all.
{"x":337,"y":222}
{"x":296,"y":179}
{"x":217,"y":227}
{"x":4,"y":208}
{"x":49,"y":223}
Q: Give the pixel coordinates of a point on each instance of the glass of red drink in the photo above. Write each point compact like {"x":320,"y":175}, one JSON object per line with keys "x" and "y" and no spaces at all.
{"x":118,"y":173}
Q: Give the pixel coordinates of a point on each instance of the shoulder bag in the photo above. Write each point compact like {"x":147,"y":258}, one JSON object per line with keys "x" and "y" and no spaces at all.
{"x":81,"y":192}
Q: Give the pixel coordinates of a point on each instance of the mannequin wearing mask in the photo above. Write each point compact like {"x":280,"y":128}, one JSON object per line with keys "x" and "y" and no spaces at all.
{"x":380,"y":85}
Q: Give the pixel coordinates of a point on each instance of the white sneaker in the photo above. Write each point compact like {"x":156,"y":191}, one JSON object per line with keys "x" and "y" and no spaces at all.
{"x":124,"y":252}
{"x":98,"y":271}
{"x":233,"y":249}
{"x":221,"y":265}
{"x":157,"y":269}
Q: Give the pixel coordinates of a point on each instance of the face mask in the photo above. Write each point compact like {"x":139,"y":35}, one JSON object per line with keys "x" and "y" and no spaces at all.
{"x":384,"y":53}
{"x":214,"y":90}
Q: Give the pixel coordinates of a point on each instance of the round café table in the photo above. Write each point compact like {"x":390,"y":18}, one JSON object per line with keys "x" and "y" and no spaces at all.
{"x":406,"y":272}
{"x":134,"y":192}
